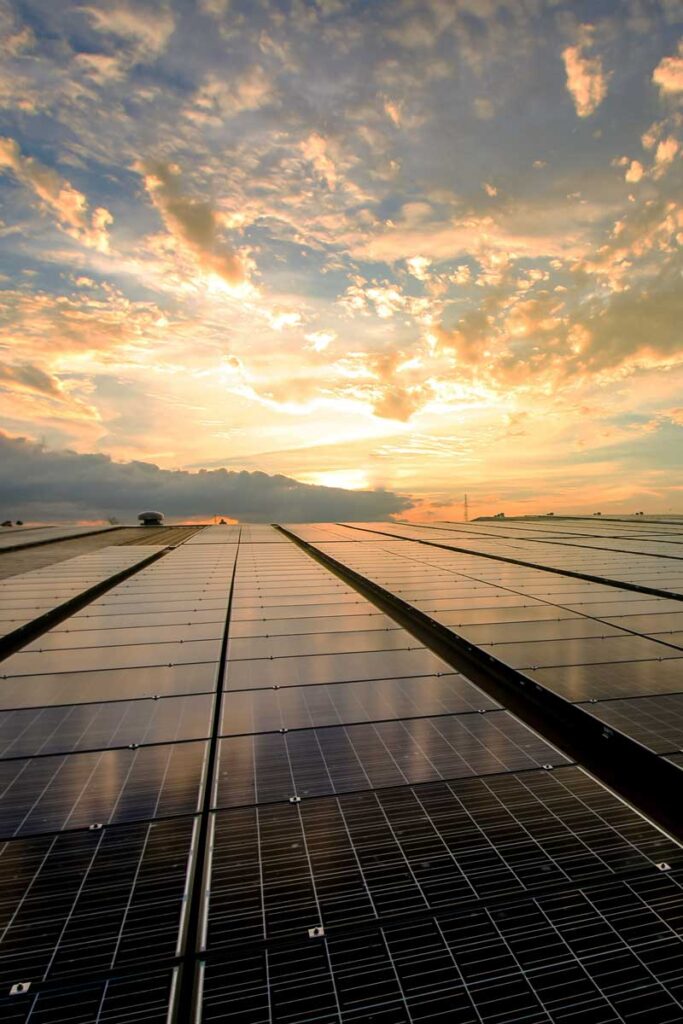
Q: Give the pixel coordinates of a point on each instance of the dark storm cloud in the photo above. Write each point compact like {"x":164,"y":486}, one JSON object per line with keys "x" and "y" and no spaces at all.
{"x":37,"y":483}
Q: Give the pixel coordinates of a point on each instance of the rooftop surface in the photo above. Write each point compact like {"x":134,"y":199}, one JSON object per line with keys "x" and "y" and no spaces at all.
{"x":342,"y":773}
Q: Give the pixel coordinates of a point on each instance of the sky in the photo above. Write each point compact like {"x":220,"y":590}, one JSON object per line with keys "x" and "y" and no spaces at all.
{"x":253,"y":252}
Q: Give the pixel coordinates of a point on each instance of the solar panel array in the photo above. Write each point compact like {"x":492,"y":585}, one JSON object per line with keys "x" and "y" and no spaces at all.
{"x":28,"y":596}
{"x":654,"y":560}
{"x":18,"y":536}
{"x":233,"y":788}
{"x":104,"y":737}
{"x":595,"y":644}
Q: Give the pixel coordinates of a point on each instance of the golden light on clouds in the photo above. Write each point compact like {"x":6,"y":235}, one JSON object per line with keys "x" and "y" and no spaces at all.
{"x":402,"y":250}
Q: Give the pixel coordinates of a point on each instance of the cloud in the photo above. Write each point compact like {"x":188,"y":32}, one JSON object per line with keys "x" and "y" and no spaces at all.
{"x":665,"y":153}
{"x":54,"y":327}
{"x":28,"y":377}
{"x":586,"y":81}
{"x":315,"y":149}
{"x":634,"y":171}
{"x":146,"y":27}
{"x":69,"y":206}
{"x":525,"y":230}
{"x":216,"y":8}
{"x":193,"y":223}
{"x":42,"y":484}
{"x":640,"y":327}
{"x":318,"y":341}
{"x":219,"y":98}
{"x":668,"y":75}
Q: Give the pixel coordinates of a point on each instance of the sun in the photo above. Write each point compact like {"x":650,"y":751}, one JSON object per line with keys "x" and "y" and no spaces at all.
{"x":349,"y":479}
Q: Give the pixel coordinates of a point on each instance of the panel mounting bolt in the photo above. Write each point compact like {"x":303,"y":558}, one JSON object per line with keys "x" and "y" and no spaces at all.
{"x":96,"y":825}
{"x":548,"y":767}
{"x":295,"y":799}
{"x":663,"y":866}
{"x":316,"y":933}
{"x":20,"y":988}
{"x":283,"y":730}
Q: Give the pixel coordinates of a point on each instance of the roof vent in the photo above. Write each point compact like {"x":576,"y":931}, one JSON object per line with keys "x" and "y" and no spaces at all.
{"x":151,"y":518}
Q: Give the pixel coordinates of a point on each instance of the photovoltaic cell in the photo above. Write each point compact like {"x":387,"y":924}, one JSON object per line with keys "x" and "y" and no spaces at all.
{"x":656,"y":722}
{"x":261,"y":613}
{"x":95,"y":621}
{"x":538,"y":632}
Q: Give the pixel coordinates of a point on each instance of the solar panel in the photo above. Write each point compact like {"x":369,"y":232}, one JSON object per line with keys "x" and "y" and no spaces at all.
{"x":67,"y":728}
{"x":326,"y":668}
{"x":592,"y":651}
{"x":312,"y":762}
{"x":314,"y":644}
{"x":656,"y":722}
{"x":52,"y":689}
{"x":27,"y":597}
{"x":540,"y":960}
{"x":345,"y":861}
{"x":621,"y":679}
{"x":298,"y":707}
{"x":87,"y":902}
{"x":89,"y":659}
{"x":48,"y":794}
{"x":117,"y":999}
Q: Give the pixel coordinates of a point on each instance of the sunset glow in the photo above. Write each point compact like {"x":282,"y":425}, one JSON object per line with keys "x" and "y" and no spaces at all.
{"x":424,"y":247}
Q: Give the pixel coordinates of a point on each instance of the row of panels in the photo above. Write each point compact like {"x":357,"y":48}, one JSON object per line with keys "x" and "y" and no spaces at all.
{"x":656,"y":568}
{"x":101,"y":784}
{"x":101,"y":725}
{"x":31,"y":595}
{"x":18,"y":536}
{"x":84,"y":902}
{"x":579,"y":646}
{"x":339,"y":908}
